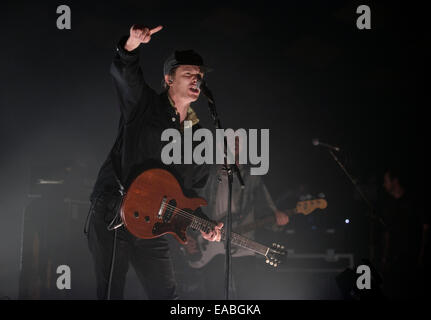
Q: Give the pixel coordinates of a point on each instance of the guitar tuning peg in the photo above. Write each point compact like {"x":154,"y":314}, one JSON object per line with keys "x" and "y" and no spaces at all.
{"x":267,"y":260}
{"x":282,"y":247}
{"x":275,"y":264}
{"x":271,"y":263}
{"x":274,"y":244}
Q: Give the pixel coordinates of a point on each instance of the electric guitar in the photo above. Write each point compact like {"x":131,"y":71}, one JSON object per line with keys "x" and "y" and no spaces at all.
{"x":204,"y":251}
{"x":155,"y":205}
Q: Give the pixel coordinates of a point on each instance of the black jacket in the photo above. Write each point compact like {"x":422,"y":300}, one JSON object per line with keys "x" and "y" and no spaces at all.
{"x":144,"y":116}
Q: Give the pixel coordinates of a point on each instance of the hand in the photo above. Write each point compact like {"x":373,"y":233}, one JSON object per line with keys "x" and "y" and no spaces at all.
{"x":140,"y":34}
{"x":281,"y":218}
{"x":213,"y":235}
{"x":191,"y":245}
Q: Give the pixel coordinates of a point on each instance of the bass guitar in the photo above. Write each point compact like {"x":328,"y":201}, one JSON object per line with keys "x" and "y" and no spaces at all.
{"x":203,"y":251}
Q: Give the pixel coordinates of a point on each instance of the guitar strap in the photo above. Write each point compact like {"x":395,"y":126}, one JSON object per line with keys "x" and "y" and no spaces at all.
{"x":116,"y":161}
{"x":115,"y":155}
{"x":116,"y":221}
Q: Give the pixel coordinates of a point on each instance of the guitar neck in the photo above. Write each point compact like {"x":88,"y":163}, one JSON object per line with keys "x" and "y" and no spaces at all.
{"x":237,"y":239}
{"x":246,"y":243}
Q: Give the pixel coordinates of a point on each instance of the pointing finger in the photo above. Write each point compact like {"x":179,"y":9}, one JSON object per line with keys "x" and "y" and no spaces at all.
{"x":156,"y":29}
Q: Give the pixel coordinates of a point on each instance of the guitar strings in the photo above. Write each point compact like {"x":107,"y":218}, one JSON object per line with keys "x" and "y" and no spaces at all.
{"x":242,"y":240}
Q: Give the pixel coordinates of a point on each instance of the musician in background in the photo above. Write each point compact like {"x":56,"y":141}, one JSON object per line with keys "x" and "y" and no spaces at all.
{"x":248,"y":205}
{"x":403,"y":240}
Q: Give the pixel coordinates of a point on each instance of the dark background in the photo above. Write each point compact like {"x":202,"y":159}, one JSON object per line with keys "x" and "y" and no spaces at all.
{"x":301,"y":69}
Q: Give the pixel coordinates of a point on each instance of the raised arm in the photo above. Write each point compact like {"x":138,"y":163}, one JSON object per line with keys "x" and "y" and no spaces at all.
{"x":132,"y":90}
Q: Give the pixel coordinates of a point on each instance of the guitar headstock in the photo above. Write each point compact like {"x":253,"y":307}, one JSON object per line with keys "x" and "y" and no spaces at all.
{"x":274,"y":255}
{"x":308,"y":206}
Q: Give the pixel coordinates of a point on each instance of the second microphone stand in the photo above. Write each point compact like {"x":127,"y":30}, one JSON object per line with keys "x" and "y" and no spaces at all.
{"x":372,"y":209}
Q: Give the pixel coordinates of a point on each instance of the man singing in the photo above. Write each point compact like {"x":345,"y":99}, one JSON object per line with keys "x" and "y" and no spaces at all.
{"x":144,"y":116}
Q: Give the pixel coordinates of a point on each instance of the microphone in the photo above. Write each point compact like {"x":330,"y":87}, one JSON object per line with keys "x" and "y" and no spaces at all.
{"x":316,"y":143}
{"x":200,"y":81}
{"x":200,"y":84}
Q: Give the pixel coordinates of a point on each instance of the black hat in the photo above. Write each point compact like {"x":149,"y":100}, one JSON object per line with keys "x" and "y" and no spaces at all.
{"x":189,"y":57}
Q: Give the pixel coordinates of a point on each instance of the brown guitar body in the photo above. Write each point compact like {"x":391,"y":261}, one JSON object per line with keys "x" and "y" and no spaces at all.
{"x":155,"y":205}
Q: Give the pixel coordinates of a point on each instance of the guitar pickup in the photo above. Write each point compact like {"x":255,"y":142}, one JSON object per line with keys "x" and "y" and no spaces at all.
{"x":162,"y":207}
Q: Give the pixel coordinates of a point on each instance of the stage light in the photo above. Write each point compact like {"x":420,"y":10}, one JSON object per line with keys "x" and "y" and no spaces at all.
{"x":347,"y":221}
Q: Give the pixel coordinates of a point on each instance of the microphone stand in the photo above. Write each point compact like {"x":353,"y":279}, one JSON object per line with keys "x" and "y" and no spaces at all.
{"x":230,"y":169}
{"x":372,"y":209}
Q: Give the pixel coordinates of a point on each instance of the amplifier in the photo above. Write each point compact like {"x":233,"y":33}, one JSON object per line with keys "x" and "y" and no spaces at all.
{"x":52,"y":236}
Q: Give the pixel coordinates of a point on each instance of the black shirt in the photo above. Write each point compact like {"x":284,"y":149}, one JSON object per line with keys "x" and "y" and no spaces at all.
{"x":144,"y":116}
{"x":404,"y":223}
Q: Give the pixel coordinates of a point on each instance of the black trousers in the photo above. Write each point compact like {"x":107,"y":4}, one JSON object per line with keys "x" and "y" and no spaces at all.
{"x":150,"y":257}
